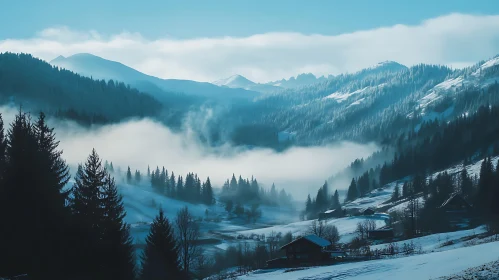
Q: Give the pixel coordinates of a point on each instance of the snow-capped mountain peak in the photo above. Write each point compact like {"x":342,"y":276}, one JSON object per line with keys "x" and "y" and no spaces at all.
{"x":238,"y":81}
{"x":234,"y":81}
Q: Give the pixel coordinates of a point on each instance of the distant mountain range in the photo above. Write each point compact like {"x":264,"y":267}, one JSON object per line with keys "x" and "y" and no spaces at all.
{"x":100,"y":68}
{"x":238,"y":81}
{"x":300,"y":81}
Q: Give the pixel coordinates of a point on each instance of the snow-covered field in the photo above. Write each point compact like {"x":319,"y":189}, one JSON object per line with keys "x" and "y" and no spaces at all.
{"x":437,"y":242}
{"x":417,"y":267}
{"x":346,"y":227}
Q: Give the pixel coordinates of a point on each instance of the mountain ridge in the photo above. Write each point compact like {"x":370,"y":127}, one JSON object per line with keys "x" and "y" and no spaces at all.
{"x":97,"y":67}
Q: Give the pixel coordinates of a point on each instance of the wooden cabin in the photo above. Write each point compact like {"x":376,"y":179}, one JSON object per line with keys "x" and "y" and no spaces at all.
{"x":307,"y":249}
{"x":458,"y":212}
{"x":384,"y":233}
{"x":367,"y":212}
{"x":331,"y":214}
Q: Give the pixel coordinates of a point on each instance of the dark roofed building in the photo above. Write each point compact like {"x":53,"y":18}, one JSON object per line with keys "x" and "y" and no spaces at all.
{"x":368,"y":212}
{"x":458,"y":211}
{"x":307,"y":249}
{"x":329,"y":214}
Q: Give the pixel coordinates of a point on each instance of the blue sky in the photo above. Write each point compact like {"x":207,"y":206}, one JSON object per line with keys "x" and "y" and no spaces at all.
{"x":261,"y":40}
{"x":192,"y":19}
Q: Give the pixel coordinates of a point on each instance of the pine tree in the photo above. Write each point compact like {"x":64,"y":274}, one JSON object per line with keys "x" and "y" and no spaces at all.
{"x":3,"y":147}
{"x":32,"y":201}
{"x":116,"y":244}
{"x":336,"y":200}
{"x":138,"y":177}
{"x":129,"y":176}
{"x":208,"y":192}
{"x":180,"y":188}
{"x":161,"y":255}
{"x":172,"y":185}
{"x":308,"y":205}
{"x":148,"y":172}
{"x":352,"y":193}
{"x":396,"y":193}
{"x":88,"y":213}
{"x":465,"y":183}
{"x":111,"y":167}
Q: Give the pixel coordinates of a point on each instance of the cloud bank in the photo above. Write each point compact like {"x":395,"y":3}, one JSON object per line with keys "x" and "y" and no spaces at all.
{"x":145,"y":142}
{"x":457,"y":40}
{"x":139,"y":143}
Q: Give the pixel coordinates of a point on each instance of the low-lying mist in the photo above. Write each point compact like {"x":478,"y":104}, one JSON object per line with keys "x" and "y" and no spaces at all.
{"x":139,"y":143}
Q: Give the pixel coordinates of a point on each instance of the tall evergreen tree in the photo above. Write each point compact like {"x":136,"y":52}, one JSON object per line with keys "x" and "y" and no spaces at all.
{"x":207,"y":192}
{"x":308,"y":204}
{"x":161,"y":255}
{"x":116,"y":244}
{"x":32,"y":201}
{"x":138,"y":177}
{"x":396,"y":193}
{"x":129,"y":176}
{"x":88,"y":213}
{"x":466,"y":184}
{"x":336,"y":200}
{"x":352,"y":193}
{"x":172,"y":185}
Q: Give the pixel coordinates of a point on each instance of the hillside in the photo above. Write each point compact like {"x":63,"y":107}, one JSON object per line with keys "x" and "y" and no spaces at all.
{"x":424,"y":266}
{"x":93,"y":66}
{"x":39,"y":86}
{"x":386,"y":99}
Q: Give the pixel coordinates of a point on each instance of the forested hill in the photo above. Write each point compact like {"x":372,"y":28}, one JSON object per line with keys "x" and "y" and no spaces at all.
{"x":39,"y":86}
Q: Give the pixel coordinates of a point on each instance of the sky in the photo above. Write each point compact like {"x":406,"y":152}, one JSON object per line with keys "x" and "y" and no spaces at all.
{"x":262,"y":40}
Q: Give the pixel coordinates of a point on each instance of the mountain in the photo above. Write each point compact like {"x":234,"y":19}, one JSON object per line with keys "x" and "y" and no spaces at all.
{"x":376,"y":103}
{"x":238,"y":81}
{"x":300,"y":81}
{"x":36,"y":85}
{"x":100,"y":68}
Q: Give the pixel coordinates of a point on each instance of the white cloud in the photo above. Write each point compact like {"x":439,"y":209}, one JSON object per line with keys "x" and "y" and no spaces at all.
{"x":455,"y":39}
{"x":144,"y":142}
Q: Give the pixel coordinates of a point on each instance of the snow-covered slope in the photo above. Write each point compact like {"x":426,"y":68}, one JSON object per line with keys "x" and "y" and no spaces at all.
{"x":346,"y":227}
{"x":417,"y":267}
{"x":484,"y":75}
{"x":238,"y":81}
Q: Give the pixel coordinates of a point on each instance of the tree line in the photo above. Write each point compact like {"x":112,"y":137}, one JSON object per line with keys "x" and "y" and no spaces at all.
{"x":246,"y":191}
{"x":25,"y":79}
{"x":190,"y":189}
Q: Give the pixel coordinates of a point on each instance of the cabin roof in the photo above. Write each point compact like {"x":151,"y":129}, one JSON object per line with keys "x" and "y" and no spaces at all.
{"x":312,"y":238}
{"x":454,"y":197}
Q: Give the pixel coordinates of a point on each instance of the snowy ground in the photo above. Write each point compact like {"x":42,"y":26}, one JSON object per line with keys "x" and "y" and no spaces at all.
{"x":485,"y":271}
{"x":440,"y":241}
{"x":425,"y":266}
{"x":346,"y":227}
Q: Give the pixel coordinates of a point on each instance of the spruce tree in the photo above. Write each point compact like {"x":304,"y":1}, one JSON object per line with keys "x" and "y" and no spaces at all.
{"x":352,"y":193}
{"x":207,"y":192}
{"x":396,"y":193}
{"x":161,"y":255}
{"x":172,"y":185}
{"x":3,"y":147}
{"x":465,"y":183}
{"x":308,"y":205}
{"x":138,"y":177}
{"x":88,"y":213}
{"x":336,"y":200}
{"x":128,"y":175}
{"x":32,"y":202}
{"x":116,"y":243}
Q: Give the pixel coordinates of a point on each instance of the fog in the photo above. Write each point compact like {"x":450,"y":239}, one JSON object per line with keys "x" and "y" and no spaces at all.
{"x":139,"y":143}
